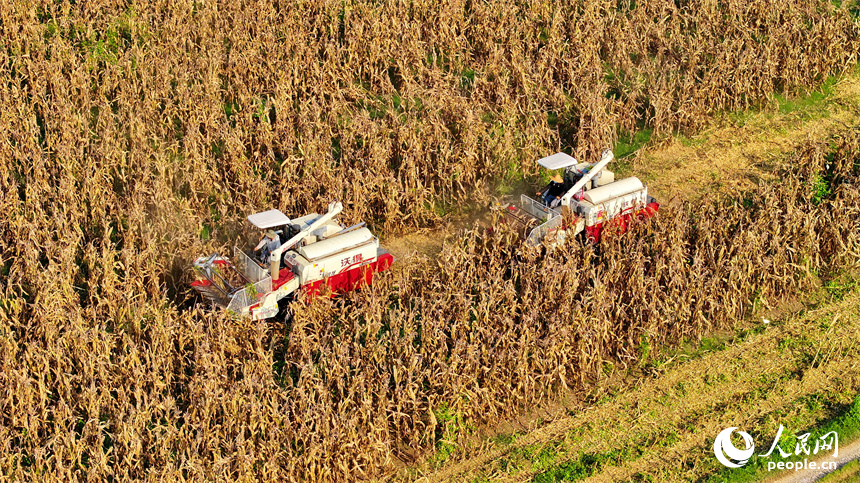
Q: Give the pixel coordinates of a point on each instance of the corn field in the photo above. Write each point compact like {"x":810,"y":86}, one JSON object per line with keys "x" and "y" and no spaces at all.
{"x":138,"y":136}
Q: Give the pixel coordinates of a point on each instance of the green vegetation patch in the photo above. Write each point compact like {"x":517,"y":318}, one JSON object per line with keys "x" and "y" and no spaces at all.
{"x":808,"y":101}
{"x":629,"y":143}
{"x":847,"y":474}
{"x":846,"y":423}
{"x":451,"y":426}
{"x":583,"y":467}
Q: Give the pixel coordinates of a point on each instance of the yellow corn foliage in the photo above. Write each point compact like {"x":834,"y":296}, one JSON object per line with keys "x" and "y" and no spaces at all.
{"x":135,"y":136}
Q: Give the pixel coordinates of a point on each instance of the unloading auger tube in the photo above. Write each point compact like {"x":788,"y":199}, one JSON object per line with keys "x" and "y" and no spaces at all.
{"x":334,"y":208}
{"x":605,"y":159}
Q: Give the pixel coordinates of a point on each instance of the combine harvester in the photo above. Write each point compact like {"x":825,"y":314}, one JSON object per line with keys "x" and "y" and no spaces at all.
{"x":592,"y":198}
{"x":301,"y":256}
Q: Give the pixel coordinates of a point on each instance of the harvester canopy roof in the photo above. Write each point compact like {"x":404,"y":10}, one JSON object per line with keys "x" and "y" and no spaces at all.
{"x":269,"y":219}
{"x":557,"y":161}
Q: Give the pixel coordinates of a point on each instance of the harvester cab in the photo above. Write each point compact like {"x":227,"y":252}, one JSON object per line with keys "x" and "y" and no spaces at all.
{"x":299,"y":254}
{"x":590,"y":197}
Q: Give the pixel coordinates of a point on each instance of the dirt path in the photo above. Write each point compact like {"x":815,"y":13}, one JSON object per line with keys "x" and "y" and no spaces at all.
{"x":846,"y":455}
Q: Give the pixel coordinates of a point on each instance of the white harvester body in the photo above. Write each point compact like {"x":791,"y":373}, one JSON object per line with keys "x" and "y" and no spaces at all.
{"x":316,"y":251}
{"x":592,"y":197}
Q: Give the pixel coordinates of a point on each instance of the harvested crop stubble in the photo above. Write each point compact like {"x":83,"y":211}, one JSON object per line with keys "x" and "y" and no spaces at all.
{"x":134,"y":134}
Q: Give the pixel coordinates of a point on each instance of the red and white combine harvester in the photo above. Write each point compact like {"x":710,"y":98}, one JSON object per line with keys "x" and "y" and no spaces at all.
{"x":298,"y":255}
{"x":590,"y":198}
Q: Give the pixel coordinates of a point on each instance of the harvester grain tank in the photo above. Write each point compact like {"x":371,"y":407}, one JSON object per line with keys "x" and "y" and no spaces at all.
{"x":592,"y":198}
{"x":303,"y":255}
